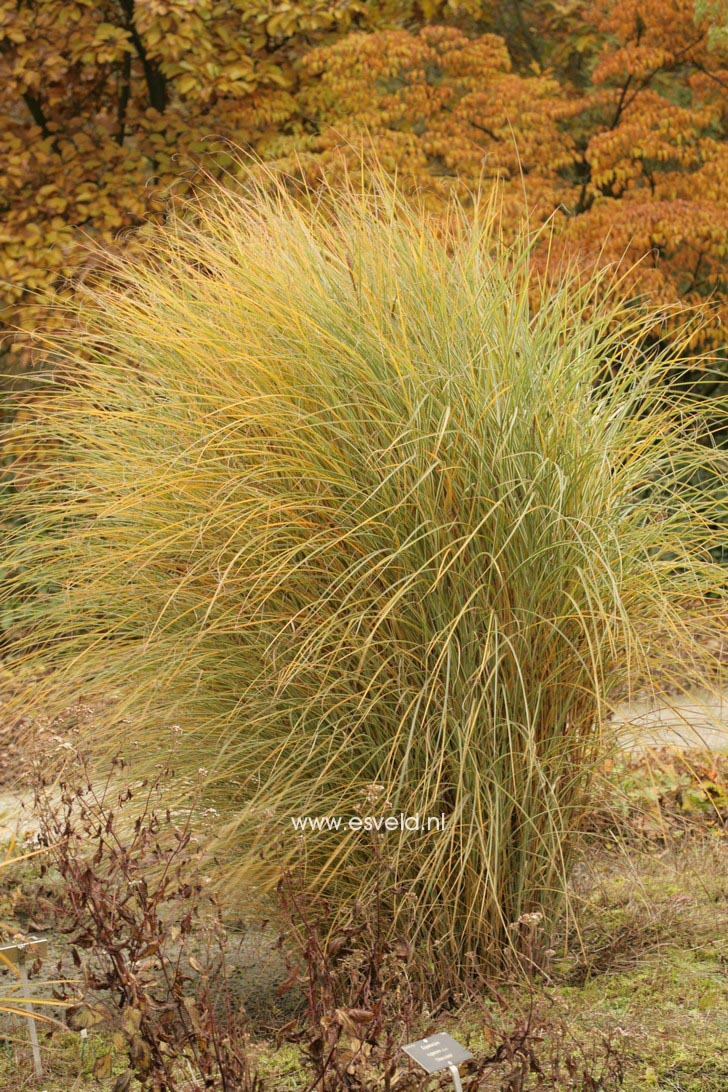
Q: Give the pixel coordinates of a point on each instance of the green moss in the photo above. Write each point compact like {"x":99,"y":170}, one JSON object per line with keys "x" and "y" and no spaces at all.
{"x":67,"y":1062}
{"x":282,"y":1069}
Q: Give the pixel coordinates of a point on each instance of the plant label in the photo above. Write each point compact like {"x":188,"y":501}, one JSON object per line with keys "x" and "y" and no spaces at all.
{"x":23,"y":952}
{"x":19,"y":955}
{"x":438,"y":1052}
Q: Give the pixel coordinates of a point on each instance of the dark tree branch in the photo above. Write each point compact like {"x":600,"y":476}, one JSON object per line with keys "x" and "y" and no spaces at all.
{"x":38,"y":115}
{"x":124,"y":93}
{"x":650,"y":75}
{"x":484,"y":129}
{"x":710,"y":75}
{"x":621,"y":104}
{"x":650,"y":178}
{"x":694,"y":274}
{"x":624,"y":102}
{"x":526,"y":33}
{"x":36,"y":110}
{"x":156,"y":82}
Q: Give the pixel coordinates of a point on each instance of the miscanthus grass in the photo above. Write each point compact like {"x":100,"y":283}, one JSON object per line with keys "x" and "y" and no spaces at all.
{"x":335,"y":496}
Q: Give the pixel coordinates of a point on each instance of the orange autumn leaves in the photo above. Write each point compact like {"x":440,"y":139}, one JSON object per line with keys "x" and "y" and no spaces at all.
{"x":631,"y":160}
{"x":611,"y":116}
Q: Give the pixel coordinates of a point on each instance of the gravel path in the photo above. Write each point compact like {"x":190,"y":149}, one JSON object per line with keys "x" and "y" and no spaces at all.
{"x":699,"y":719}
{"x":14,"y":818}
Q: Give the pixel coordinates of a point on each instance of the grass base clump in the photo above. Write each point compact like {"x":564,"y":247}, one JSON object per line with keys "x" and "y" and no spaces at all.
{"x":328,"y":508}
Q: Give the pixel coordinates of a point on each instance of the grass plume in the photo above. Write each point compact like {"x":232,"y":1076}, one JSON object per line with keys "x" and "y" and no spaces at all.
{"x":323,"y":501}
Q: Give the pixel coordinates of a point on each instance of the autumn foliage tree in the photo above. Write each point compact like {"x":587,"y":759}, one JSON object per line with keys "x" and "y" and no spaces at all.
{"x":106,"y":104}
{"x":621,"y":137}
{"x":609,"y":116}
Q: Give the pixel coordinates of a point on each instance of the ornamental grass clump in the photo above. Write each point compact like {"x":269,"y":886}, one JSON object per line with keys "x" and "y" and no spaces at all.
{"x":339,"y":509}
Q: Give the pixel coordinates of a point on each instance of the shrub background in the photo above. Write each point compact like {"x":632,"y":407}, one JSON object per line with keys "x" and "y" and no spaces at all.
{"x":614,"y":112}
